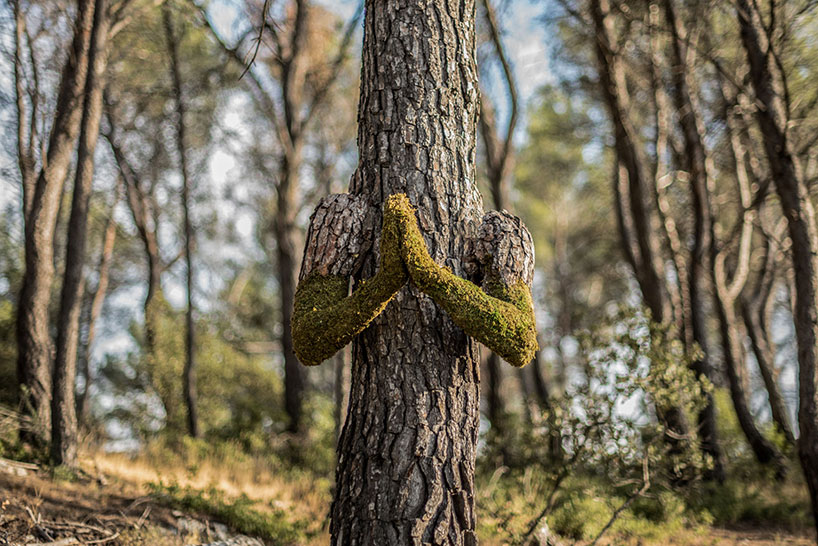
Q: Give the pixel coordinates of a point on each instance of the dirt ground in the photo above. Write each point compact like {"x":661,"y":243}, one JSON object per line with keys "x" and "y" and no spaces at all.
{"x":36,"y":509}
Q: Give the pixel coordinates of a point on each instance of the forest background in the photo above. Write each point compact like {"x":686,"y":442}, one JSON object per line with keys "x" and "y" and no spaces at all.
{"x":667,"y":397}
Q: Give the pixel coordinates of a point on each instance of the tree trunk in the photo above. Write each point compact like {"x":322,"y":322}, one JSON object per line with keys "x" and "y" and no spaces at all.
{"x":141,"y":205}
{"x":25,"y":146}
{"x":634,"y":216}
{"x":339,"y":389}
{"x":406,"y":466}
{"x":696,"y":165}
{"x":766,"y":366}
{"x":33,"y":338}
{"x":797,"y":207}
{"x":765,"y":452}
{"x":293,"y":69}
{"x":189,"y":373}
{"x":103,"y":274}
{"x":63,"y":406}
{"x":287,"y":261}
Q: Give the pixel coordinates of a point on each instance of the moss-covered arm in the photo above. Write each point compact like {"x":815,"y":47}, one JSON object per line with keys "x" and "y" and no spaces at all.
{"x":325,"y":318}
{"x":500,"y":315}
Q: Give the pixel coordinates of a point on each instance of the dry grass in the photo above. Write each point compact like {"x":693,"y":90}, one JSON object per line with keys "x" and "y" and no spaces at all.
{"x":304,"y":497}
{"x":122,"y":503}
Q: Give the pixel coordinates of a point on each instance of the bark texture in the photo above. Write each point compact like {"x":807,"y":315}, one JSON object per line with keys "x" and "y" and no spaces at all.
{"x":406,"y":456}
{"x":63,"y":405}
{"x":33,"y":338}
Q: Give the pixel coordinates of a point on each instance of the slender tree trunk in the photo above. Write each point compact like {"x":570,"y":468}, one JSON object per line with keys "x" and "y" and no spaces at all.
{"x":292,"y":91}
{"x":733,"y":356}
{"x":141,"y":204}
{"x":634,"y":216}
{"x":287,"y":262}
{"x":696,"y":165}
{"x":189,"y":373}
{"x":406,"y":468}
{"x":33,"y":338}
{"x":766,"y":365}
{"x":768,"y":84}
{"x":63,"y":405}
{"x":103,"y":274}
{"x":25,"y":146}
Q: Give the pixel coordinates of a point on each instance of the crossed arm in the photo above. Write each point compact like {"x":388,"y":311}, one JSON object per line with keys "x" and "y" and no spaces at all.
{"x":500,"y":315}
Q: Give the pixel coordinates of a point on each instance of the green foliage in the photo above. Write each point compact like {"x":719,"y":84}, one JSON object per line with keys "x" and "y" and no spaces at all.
{"x":751,"y":501}
{"x":11,"y":275}
{"x":239,"y":514}
{"x":592,"y":450}
{"x":562,"y":192}
{"x":64,"y":474}
{"x":8,"y":354}
{"x":239,"y":396}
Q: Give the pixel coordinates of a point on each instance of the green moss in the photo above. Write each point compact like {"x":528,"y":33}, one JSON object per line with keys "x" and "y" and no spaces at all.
{"x":325,"y":319}
{"x":500,"y":316}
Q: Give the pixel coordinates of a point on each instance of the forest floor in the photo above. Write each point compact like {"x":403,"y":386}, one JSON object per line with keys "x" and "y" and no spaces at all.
{"x":116,"y":501}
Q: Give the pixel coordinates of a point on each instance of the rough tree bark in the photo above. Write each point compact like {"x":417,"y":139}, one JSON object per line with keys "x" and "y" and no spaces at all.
{"x":189,"y":372}
{"x":406,"y":455}
{"x":33,"y":338}
{"x":500,"y":314}
{"x":63,"y":405}
{"x":769,"y":84}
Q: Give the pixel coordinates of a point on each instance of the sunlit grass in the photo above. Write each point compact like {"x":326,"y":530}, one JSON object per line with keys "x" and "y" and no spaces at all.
{"x":231,"y":486}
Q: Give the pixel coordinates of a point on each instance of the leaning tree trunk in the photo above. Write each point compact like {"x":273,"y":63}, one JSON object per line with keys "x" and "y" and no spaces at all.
{"x":773,"y":120}
{"x":94,"y":311}
{"x":406,"y":455}
{"x":63,"y":408}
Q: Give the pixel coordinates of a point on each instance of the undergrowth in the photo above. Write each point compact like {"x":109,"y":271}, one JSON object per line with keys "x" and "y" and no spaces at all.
{"x":239,"y":514}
